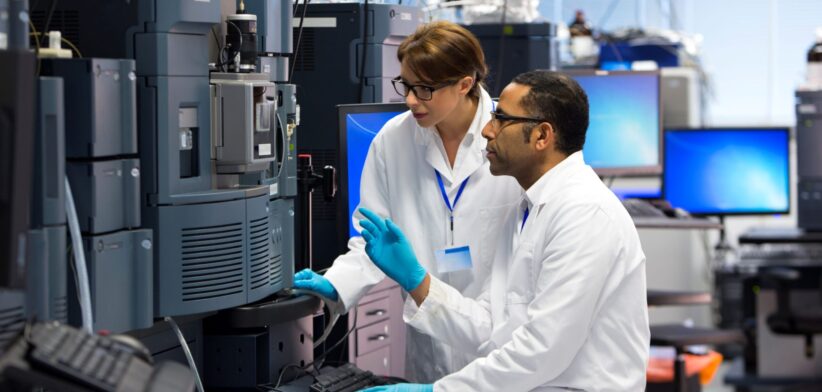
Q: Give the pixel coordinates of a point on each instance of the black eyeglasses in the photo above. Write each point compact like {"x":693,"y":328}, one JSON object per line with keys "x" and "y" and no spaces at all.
{"x":498,"y":118}
{"x":421,"y":91}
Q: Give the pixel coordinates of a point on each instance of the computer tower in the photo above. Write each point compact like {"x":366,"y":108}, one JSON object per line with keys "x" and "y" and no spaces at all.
{"x":809,"y":161}
{"x":680,"y":93}
{"x":522,"y":46}
{"x":329,"y":71}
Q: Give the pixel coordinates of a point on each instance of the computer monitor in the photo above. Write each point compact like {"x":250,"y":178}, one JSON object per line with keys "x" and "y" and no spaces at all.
{"x":358,"y":125}
{"x":625,"y":125}
{"x":727,"y":171}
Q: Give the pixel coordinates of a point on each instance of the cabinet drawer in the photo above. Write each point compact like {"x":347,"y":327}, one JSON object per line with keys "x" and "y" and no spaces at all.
{"x":373,"y":311}
{"x":377,"y":362}
{"x":373,"y":337}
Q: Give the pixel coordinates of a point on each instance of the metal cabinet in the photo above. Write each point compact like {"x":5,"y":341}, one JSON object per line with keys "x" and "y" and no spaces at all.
{"x":377,"y":343}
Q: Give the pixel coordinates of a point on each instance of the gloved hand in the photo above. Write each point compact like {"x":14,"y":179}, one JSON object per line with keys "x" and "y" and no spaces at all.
{"x":390,"y":251}
{"x":310,"y":280}
{"x":402,"y":388}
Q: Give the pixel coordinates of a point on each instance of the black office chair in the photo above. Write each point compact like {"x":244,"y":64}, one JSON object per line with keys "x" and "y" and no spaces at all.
{"x":679,"y":336}
{"x":806,"y":321}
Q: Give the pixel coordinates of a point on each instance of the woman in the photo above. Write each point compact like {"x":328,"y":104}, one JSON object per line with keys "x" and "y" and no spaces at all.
{"x":427,"y":171}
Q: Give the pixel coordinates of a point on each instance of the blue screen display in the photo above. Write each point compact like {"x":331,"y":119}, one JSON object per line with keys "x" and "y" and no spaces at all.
{"x":727,"y":171}
{"x":624,"y":120}
{"x":361,"y":128}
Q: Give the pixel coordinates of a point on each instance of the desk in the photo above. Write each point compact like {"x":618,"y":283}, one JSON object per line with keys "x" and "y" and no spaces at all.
{"x":773,"y":360}
{"x":675,"y":223}
{"x":677,"y":298}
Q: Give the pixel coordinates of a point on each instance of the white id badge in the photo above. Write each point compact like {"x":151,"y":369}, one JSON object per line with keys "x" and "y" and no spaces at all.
{"x":453,"y":259}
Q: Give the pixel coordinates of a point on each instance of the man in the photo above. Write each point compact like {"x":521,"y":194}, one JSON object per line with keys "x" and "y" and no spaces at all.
{"x":566,"y":302}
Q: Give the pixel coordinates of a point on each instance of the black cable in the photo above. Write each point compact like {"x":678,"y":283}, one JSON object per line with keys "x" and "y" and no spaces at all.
{"x":219,"y":61}
{"x":322,"y":356}
{"x":500,"y":62}
{"x":299,"y":40}
{"x":282,"y":373}
{"x":240,"y":46}
{"x":614,"y":48}
{"x":364,"y":50}
{"x":48,"y":22}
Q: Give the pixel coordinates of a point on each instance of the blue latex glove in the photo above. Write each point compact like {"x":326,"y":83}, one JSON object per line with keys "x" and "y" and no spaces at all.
{"x":390,"y":251}
{"x":310,"y":280}
{"x":402,"y":388}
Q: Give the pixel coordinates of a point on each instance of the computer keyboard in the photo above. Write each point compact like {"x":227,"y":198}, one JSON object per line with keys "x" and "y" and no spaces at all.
{"x":784,"y":252}
{"x":346,"y":378}
{"x":63,"y":358}
{"x":639,"y":208}
{"x":95,"y":360}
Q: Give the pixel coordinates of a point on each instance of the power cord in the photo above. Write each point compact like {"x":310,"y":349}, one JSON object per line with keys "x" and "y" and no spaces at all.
{"x":36,"y":46}
{"x":187,"y":352}
{"x":321,"y":357}
{"x":299,"y":38}
{"x":48,"y":18}
{"x":364,"y":52}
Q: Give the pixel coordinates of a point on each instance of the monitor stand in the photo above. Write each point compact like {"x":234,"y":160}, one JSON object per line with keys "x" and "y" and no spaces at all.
{"x":723,"y":245}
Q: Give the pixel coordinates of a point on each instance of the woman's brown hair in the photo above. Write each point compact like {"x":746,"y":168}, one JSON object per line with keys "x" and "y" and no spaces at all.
{"x":442,"y":52}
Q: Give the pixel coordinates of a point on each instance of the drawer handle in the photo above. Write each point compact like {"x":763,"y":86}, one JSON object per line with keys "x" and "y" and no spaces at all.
{"x":376,"y":312}
{"x":379,"y":337}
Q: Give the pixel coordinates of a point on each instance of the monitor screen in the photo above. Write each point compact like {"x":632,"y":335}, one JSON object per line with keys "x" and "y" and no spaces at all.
{"x":359,"y":124}
{"x":728,"y":171}
{"x":624,"y":129}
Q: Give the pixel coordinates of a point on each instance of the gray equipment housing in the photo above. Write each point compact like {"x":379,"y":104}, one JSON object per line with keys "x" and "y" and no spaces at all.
{"x":120,"y":277}
{"x":225,"y":253}
{"x":101,"y":114}
{"x":808,"y":143}
{"x":12,"y":315}
{"x":526,"y":46}
{"x":169,"y":44}
{"x":274,"y":39}
{"x":49,"y":192}
{"x":46,"y":271}
{"x":281,"y":176}
{"x":107,"y":194}
{"x":244,"y":122}
{"x":179,"y":184}
{"x":47,"y":274}
{"x":333,"y":32}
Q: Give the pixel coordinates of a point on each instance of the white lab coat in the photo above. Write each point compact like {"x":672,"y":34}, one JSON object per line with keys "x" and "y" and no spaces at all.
{"x":398,"y":181}
{"x":565,"y":308}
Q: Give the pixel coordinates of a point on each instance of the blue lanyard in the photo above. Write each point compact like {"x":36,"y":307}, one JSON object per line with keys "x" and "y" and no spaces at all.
{"x":524,"y":219}
{"x":447,"y":202}
{"x":459,"y":192}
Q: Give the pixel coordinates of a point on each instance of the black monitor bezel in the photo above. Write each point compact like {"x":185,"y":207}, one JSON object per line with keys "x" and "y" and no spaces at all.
{"x":343,"y":111}
{"x":632,"y":171}
{"x":787,"y":129}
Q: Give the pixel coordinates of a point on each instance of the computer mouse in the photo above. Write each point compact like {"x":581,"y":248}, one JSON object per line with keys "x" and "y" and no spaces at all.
{"x":680,"y":213}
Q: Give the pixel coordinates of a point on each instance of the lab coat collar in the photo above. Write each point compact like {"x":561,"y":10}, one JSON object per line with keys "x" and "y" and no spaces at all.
{"x":470,"y":155}
{"x":539,"y":193}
